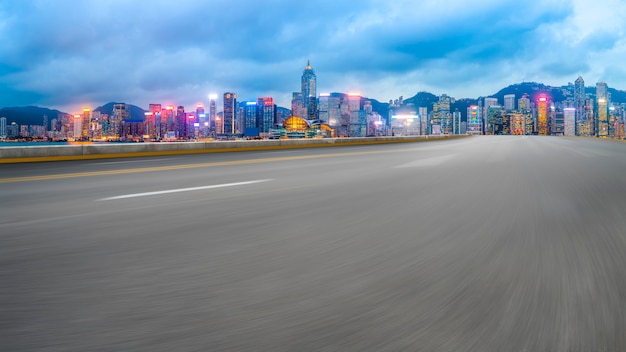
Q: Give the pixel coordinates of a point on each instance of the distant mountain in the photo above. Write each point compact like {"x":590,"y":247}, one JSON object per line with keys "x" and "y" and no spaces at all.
{"x":136,"y":113}
{"x":422,"y":99}
{"x":28,"y":115}
{"x":533,"y":90}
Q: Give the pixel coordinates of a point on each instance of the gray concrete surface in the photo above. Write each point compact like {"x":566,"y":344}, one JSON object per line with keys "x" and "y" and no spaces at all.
{"x":67,"y":152}
{"x":480,"y":244}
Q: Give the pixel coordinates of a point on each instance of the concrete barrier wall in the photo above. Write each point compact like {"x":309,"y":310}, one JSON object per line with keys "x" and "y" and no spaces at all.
{"x":92,"y":151}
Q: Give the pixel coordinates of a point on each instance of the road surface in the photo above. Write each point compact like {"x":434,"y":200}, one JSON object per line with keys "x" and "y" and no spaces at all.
{"x":506,"y":243}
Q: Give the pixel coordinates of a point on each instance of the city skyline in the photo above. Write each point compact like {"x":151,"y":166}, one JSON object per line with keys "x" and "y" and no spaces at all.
{"x":68,"y":55}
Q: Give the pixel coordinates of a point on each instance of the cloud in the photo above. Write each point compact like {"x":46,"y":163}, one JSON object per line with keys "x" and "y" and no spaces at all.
{"x":60,"y":53}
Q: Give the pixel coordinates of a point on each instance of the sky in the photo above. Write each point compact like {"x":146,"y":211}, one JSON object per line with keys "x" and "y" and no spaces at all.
{"x":68,"y":54}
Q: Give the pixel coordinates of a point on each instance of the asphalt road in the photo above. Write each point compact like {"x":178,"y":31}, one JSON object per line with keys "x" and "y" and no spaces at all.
{"x":480,"y":244}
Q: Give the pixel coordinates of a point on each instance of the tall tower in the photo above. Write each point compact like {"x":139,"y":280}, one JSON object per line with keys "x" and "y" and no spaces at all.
{"x":213,"y":111}
{"x":542,"y":115}
{"x":85,"y":123}
{"x":3,"y":127}
{"x":579,"y":103}
{"x":602,"y":116}
{"x":230,"y":109}
{"x":309,"y":84}
{"x":509,"y":102}
{"x":265,"y":114}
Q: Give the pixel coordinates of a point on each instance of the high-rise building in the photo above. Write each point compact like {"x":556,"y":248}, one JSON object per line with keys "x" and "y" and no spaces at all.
{"x":542,"y":115}
{"x":474,"y":120}
{"x":444,"y":115}
{"x":212,"y":111}
{"x":487,"y":103}
{"x":249,"y":113}
{"x":168,"y":117}
{"x":230,"y":109}
{"x":3,"y":127}
{"x":153,"y":121}
{"x":78,"y":126}
{"x":309,"y":94}
{"x":579,"y":103}
{"x":569,"y":121}
{"x":358,"y":116}
{"x":456,"y":122}
{"x":516,"y":121}
{"x":422,"y":112}
{"x":602,"y":114}
{"x":509,"y":102}
{"x":181,"y":122}
{"x":85,"y":119}
{"x":121,"y":113}
{"x":523,"y":103}
{"x":266,"y":114}
{"x":297,"y":105}
{"x":494,"y":120}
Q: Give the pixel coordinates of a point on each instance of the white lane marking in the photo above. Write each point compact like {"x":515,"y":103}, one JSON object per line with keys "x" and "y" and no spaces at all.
{"x":127,"y":162}
{"x":427,"y":162}
{"x":145,"y":194}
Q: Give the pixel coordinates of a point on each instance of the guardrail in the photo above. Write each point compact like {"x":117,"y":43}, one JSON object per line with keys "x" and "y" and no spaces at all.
{"x":120,"y":150}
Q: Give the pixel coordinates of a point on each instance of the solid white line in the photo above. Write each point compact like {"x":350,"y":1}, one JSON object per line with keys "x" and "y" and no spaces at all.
{"x":183,"y":190}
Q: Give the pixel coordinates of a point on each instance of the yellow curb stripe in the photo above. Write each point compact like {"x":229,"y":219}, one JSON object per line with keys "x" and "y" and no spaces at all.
{"x":190,"y":166}
{"x":205,"y":151}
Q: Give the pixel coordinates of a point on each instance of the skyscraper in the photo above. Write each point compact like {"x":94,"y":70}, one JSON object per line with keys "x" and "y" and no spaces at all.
{"x":602,"y":115}
{"x":309,"y":95}
{"x":542,"y":115}
{"x":3,"y":127}
{"x":579,"y":103}
{"x":509,"y":102}
{"x":569,"y":121}
{"x":181,"y":122}
{"x":358,"y":116}
{"x":250,"y":115}
{"x":86,"y":117}
{"x":212,"y":111}
{"x":474,"y":120}
{"x":445,"y":117}
{"x":230,"y":109}
{"x":153,"y":121}
{"x":266,"y":114}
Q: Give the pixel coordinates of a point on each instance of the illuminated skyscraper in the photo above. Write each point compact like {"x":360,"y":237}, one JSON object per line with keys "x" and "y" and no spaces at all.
{"x":78,"y":126}
{"x":121,"y":113}
{"x":474,"y":120}
{"x":579,"y":103}
{"x":266,"y":114}
{"x":249,"y":113}
{"x":309,"y":94}
{"x":181,"y":122}
{"x":153,"y":121}
{"x":569,"y":121}
{"x":212,"y":111}
{"x":422,"y":112}
{"x":542,"y":115}
{"x":230,"y":109}
{"x":444,"y":115}
{"x":488,"y":102}
{"x":602,"y":114}
{"x":358,"y":116}
{"x":523,"y":103}
{"x":86,"y":118}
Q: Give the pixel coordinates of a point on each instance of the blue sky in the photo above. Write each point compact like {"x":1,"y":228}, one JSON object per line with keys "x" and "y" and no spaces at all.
{"x":69,"y":54}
